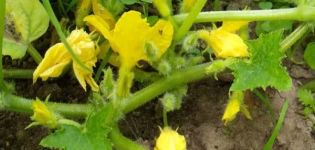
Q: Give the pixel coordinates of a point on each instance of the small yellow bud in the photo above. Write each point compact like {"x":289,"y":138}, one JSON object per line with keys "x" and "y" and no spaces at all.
{"x":235,"y":105}
{"x":170,"y":140}
{"x":42,"y":115}
{"x":163,"y":7}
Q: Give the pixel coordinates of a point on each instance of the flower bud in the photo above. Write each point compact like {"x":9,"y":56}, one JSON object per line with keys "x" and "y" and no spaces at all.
{"x":42,"y":115}
{"x":170,"y":140}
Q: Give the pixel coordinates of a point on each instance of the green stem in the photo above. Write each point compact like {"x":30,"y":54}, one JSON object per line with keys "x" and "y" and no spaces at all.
{"x":103,"y":64}
{"x":165,"y":122}
{"x":34,"y":53}
{"x":276,"y":130}
{"x":62,"y":36}
{"x":297,"y":34}
{"x":189,"y":20}
{"x":301,"y":13}
{"x":122,"y":143}
{"x":2,"y":23}
{"x":178,"y":78}
{"x":19,"y":104}
{"x":18,"y":73}
{"x":265,"y":102}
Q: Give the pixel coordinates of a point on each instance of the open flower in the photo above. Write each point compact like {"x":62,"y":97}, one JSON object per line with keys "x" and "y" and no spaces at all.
{"x":224,"y":41}
{"x":235,"y":105}
{"x":42,"y":115}
{"x":170,"y":140}
{"x":129,"y":38}
{"x":57,"y":58}
{"x":130,"y":35}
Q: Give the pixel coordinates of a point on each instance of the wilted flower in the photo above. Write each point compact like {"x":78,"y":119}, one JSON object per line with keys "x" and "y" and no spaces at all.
{"x":42,"y":115}
{"x":170,"y":140}
{"x":235,"y":105}
{"x":57,"y":58}
{"x":224,"y":41}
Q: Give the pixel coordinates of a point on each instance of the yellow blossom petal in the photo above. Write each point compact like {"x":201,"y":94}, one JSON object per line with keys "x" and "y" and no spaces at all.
{"x":101,"y":11}
{"x":55,"y":60}
{"x":233,"y":26}
{"x":226,"y":44}
{"x":161,"y":36}
{"x":170,"y":140}
{"x":42,"y":115}
{"x":99,"y":24}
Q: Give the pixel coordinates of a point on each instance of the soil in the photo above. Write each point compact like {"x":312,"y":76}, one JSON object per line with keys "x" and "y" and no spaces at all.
{"x":199,"y":118}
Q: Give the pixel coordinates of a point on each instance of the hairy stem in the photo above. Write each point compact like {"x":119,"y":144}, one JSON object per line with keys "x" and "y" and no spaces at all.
{"x":18,"y":73}
{"x":300,"y":13}
{"x":35,"y":54}
{"x":189,"y":20}
{"x":2,"y":23}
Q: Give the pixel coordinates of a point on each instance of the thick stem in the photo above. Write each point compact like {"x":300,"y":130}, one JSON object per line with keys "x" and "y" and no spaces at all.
{"x":301,"y":13}
{"x":19,"y":104}
{"x":35,"y":54}
{"x":189,"y":20}
{"x":297,"y":34}
{"x":122,"y":143}
{"x":18,"y":73}
{"x":178,"y":78}
{"x":2,"y":22}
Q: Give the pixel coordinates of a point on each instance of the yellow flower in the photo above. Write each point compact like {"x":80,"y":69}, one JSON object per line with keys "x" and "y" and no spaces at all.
{"x":234,"y":105}
{"x":129,"y":38}
{"x":187,"y":5}
{"x":163,"y":7}
{"x":57,"y":58}
{"x":224,"y":41}
{"x":170,"y":140}
{"x":130,"y":35}
{"x":42,"y":115}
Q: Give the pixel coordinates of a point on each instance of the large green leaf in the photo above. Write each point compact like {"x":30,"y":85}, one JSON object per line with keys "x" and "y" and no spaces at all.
{"x":264,"y":68}
{"x":26,"y":21}
{"x":92,"y":137}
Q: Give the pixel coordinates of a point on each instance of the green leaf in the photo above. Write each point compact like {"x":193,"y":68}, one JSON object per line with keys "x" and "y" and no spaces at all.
{"x":264,"y":68}
{"x":13,"y":48}
{"x":129,"y":2}
{"x":265,"y":5}
{"x":306,"y":98}
{"x":92,"y":137}
{"x":26,"y":21}
{"x":28,"y":17}
{"x":309,"y":54}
